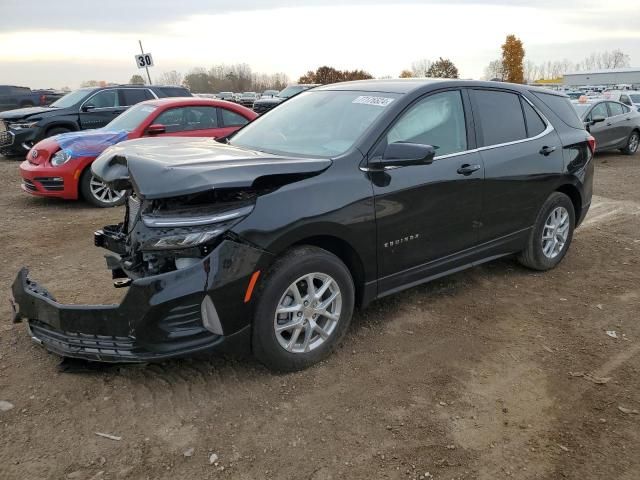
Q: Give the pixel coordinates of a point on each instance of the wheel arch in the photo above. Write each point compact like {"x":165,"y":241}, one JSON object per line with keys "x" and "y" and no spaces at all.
{"x":345,"y":252}
{"x":574,"y":195}
{"x":70,"y":125}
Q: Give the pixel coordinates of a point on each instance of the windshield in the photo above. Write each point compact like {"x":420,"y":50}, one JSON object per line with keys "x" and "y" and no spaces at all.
{"x":581,"y":108}
{"x":321,"y":123}
{"x":131,"y":118}
{"x":249,"y":94}
{"x":635,"y":98}
{"x":291,"y":91}
{"x":72,"y":98}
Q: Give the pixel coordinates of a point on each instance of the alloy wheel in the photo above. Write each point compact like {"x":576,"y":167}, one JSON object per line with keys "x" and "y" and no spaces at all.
{"x":308,"y":313}
{"x":555,"y":232}
{"x":634,"y":142}
{"x":103,"y":193}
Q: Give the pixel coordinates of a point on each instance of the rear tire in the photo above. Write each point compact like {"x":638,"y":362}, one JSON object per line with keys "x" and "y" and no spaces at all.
{"x":632,"y":143}
{"x":312,"y":335}
{"x":551,"y":235}
{"x":98,"y":194}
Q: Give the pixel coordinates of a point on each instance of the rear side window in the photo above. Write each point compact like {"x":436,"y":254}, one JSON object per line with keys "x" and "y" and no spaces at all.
{"x":232,"y":119}
{"x":173,"y":92}
{"x":535,"y":125}
{"x":561,"y":106}
{"x":132,"y":96}
{"x":615,"y":109}
{"x":500,"y":116}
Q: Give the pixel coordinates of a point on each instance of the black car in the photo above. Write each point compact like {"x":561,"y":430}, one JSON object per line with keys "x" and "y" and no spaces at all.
{"x":247,"y":99}
{"x":82,"y":109}
{"x":265,"y":104}
{"x":344,"y":194}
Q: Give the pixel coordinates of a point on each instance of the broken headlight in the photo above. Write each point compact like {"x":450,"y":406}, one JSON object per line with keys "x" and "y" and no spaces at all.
{"x":189,"y":229}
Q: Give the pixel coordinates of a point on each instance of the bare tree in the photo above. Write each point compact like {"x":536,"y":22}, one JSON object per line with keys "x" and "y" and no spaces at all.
{"x":170,"y":78}
{"x":494,"y":70}
{"x":419,"y":68}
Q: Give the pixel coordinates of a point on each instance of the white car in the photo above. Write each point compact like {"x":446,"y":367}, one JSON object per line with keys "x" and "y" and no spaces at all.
{"x":630,"y":98}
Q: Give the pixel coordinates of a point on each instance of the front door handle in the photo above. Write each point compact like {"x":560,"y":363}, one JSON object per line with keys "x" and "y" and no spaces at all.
{"x":546,"y":151}
{"x":468,"y":169}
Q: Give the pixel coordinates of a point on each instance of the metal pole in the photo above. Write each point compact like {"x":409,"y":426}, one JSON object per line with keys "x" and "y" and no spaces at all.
{"x":145,"y":63}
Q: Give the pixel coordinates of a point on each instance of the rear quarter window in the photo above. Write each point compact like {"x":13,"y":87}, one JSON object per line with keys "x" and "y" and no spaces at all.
{"x":562,"y":107}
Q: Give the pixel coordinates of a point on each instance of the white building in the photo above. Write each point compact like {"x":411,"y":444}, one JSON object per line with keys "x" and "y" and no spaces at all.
{"x":615,"y":76}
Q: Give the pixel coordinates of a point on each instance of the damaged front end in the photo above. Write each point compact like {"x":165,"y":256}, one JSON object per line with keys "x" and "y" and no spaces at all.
{"x":187,"y":272}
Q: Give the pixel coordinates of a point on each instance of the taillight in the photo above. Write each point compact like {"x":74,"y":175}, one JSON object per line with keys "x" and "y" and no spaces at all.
{"x":592,"y":144}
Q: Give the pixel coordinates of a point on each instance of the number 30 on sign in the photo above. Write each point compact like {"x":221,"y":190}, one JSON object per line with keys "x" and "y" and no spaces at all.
{"x":144,"y":60}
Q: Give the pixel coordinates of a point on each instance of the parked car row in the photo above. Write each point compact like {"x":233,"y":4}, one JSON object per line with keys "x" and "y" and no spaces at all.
{"x":12,"y":97}
{"x":268,"y":239}
{"x":263,"y":102}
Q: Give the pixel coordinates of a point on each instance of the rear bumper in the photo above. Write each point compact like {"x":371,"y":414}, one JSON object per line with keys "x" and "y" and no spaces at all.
{"x":161,"y":316}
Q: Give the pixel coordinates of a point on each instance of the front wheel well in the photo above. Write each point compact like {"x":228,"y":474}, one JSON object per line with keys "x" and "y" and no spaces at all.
{"x":67,"y":126}
{"x":346,"y":253}
{"x":576,"y":199}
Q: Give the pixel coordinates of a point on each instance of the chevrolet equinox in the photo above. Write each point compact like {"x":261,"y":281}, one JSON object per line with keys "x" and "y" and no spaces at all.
{"x":270,"y":238}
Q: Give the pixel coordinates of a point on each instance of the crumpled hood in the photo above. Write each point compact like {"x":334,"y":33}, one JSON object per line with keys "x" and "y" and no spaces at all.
{"x":20,"y":113}
{"x":172,"y":166}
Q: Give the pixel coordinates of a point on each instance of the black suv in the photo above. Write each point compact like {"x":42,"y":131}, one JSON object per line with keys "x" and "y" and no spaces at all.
{"x":263,"y":105}
{"x":344,"y":194}
{"x":82,"y":109}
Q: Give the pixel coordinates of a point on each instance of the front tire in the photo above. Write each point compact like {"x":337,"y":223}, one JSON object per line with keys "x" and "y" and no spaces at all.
{"x":304,"y":308}
{"x":632,"y":143}
{"x":551,"y":235}
{"x":97,"y":193}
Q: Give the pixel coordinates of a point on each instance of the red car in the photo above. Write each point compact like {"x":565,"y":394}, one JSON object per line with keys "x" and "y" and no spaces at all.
{"x":59,"y":166}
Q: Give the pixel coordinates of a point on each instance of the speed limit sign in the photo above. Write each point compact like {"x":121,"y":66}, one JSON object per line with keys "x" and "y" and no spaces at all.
{"x":144,"y":60}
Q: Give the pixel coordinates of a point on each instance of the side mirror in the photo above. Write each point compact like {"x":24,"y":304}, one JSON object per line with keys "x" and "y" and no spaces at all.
{"x":597,"y":119}
{"x":156,"y":129}
{"x":88,"y":107}
{"x":401,"y":154}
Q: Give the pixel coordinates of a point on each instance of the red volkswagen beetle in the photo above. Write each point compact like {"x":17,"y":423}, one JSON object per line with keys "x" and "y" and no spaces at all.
{"x":59,"y":166}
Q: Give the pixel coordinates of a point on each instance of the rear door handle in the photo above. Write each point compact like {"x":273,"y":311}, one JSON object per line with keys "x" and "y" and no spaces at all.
{"x":468,"y":169}
{"x":546,"y":151}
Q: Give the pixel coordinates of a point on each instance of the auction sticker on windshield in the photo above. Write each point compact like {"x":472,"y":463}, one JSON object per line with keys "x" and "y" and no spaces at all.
{"x":377,"y":101}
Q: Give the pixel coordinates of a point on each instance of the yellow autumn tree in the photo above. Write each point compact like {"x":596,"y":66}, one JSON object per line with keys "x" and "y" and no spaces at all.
{"x":512,"y":59}
{"x":406,"y":74}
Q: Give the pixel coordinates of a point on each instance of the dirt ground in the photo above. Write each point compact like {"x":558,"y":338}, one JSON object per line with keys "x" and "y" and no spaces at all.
{"x":493,"y":373}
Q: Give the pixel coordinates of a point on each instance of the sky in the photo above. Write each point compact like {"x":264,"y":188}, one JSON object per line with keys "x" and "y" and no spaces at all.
{"x":49,"y":43}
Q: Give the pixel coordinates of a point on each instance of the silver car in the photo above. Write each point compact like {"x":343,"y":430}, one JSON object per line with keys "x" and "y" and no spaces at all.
{"x":613,"y":124}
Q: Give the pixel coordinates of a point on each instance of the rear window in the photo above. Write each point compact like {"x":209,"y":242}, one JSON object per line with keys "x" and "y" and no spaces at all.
{"x":562,"y":107}
{"x":173,"y":92}
{"x":500,"y":116}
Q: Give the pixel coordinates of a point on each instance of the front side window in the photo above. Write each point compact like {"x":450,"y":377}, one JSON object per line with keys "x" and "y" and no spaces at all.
{"x":184,"y":119}
{"x":500,"y":116}
{"x":437,"y":120}
{"x":104,"y":99}
{"x":319,"y":123}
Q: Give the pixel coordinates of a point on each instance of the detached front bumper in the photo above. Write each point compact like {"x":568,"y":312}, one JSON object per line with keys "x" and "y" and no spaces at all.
{"x":175,"y":314}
